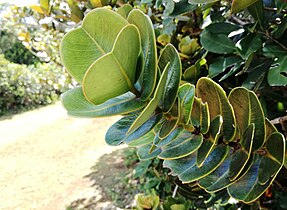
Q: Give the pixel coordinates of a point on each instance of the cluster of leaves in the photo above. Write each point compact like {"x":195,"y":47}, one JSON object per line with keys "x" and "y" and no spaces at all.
{"x":25,"y":87}
{"x":221,"y":143}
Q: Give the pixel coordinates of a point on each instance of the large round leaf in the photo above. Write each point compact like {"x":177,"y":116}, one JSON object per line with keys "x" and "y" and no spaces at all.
{"x":114,"y":73}
{"x":83,"y":46}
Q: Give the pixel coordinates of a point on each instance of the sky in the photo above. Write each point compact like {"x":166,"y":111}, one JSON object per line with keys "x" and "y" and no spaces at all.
{"x":20,"y":3}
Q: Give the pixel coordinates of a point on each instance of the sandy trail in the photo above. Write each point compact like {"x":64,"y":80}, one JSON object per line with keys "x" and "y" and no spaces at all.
{"x":44,"y":156}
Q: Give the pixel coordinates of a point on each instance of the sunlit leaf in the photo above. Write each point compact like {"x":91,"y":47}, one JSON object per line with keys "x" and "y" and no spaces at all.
{"x":125,"y":10}
{"x":182,"y":149}
{"x":143,"y":152}
{"x":248,"y":110}
{"x":170,"y":55}
{"x":209,"y":143}
{"x":83,"y":46}
{"x":114,"y":67}
{"x":77,"y":105}
{"x":186,"y":97}
{"x":216,"y":157}
{"x":247,"y":188}
{"x":238,"y":5}
{"x":241,"y":155}
{"x":148,"y":44}
{"x":218,"y":104}
{"x":143,"y":129}
{"x":219,"y":179}
{"x":170,"y":124}
{"x":117,"y":132}
{"x":153,"y":104}
{"x":274,"y":159}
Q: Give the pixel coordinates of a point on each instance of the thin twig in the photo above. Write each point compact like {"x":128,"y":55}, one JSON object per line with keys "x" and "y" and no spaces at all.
{"x":279,"y":120}
{"x":174,"y":191}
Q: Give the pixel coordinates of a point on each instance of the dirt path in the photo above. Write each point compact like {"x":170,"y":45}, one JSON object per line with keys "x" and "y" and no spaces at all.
{"x":44,"y":156}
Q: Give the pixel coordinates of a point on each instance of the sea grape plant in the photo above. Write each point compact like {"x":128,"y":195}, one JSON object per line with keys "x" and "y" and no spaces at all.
{"x":220,"y":142}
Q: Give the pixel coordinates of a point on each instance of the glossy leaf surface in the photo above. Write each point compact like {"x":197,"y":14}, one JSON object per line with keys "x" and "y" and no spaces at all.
{"x":240,"y":157}
{"x":170,"y":55}
{"x":248,"y":110}
{"x":218,"y":104}
{"x":148,"y":46}
{"x":182,"y":149}
{"x":209,"y":143}
{"x":186,"y":97}
{"x":77,"y":105}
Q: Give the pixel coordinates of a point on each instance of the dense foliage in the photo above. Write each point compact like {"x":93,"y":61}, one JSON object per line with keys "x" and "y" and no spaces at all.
{"x":25,"y":87}
{"x":212,"y":137}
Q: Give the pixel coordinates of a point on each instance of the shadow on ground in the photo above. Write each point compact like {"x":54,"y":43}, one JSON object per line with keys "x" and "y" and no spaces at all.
{"x":111,"y":177}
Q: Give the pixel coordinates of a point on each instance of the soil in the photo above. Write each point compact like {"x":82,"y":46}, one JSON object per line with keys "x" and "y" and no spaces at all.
{"x":48,"y":161}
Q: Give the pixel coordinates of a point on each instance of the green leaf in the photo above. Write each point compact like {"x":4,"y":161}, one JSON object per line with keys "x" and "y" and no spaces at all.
{"x":248,"y":45}
{"x":114,"y":67}
{"x":125,"y":10}
{"x":170,"y":124}
{"x":176,"y":133}
{"x":45,"y":4}
{"x":213,"y":161}
{"x":142,"y":140}
{"x":274,"y":159}
{"x":153,"y":104}
{"x":220,"y":64}
{"x":216,"y":43}
{"x":270,"y":128}
{"x":180,"y":150}
{"x":177,"y":166}
{"x":204,"y":118}
{"x":247,"y":188}
{"x":280,"y":4}
{"x":248,"y":110}
{"x":209,"y":143}
{"x":143,"y":129}
{"x":170,"y":55}
{"x":182,"y":7}
{"x":219,"y":179}
{"x":148,"y":44}
{"x":222,"y":28}
{"x":77,"y":105}
{"x":241,"y":156}
{"x":186,"y":97}
{"x":196,"y":112}
{"x":83,"y":46}
{"x":277,"y":74}
{"x":218,"y":104}
{"x":257,"y":12}
{"x":273,"y":50}
{"x":201,"y":1}
{"x":144,"y":153}
{"x":117,"y":132}
{"x":238,"y":5}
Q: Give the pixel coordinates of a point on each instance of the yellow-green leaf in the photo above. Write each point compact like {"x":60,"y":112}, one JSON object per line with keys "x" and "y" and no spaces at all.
{"x":114,"y":73}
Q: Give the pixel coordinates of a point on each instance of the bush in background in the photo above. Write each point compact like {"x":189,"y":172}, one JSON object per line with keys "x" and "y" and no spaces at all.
{"x":24,"y":87}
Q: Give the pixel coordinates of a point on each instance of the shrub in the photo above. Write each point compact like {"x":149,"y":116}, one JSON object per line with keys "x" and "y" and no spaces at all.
{"x":25,"y":87}
{"x":211,"y":138}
